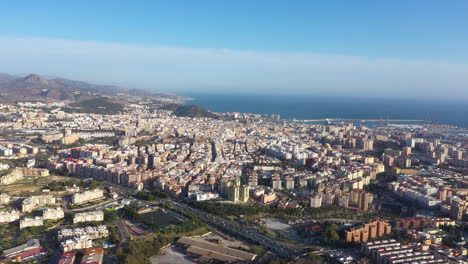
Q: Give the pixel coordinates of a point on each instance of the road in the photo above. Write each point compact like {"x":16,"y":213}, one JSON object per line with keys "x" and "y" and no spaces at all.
{"x":279,"y":247}
{"x":95,"y":206}
{"x":236,"y":229}
{"x":123,"y":230}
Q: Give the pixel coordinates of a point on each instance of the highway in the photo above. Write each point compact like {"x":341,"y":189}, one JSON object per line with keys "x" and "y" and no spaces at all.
{"x":281,"y":248}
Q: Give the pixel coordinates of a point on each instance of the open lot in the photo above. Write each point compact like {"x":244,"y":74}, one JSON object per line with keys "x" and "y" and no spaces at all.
{"x":33,"y":184}
{"x":170,"y":255}
{"x":176,"y":254}
{"x":275,"y":225}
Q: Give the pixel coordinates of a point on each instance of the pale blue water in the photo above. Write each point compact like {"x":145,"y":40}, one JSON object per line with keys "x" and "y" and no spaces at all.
{"x":311,"y":107}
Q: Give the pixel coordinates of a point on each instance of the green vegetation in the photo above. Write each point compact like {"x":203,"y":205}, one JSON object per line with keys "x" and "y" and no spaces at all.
{"x":110,"y":215}
{"x":224,"y":209}
{"x":246,"y":210}
{"x":330,"y":234}
{"x":264,"y":230}
{"x":189,"y":111}
{"x":111,"y":141}
{"x":42,"y":159}
{"x":92,"y":184}
{"x":131,"y":212}
{"x":21,"y":162}
{"x":258,"y":250}
{"x":313,"y":259}
{"x":139,"y":251}
{"x":32,"y":231}
{"x":100,"y":105}
{"x":9,"y":236}
{"x":155,"y":193}
{"x":114,"y":235}
{"x":455,"y":235}
{"x":190,"y":225}
{"x":336,"y":212}
{"x":58,"y":186}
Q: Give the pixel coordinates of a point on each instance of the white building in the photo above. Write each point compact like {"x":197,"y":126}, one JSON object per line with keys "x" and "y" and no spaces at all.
{"x":316,"y":201}
{"x":34,"y":201}
{"x":93,"y":216}
{"x":76,"y":243}
{"x":92,"y":232}
{"x":5,"y":198}
{"x":27,"y":222}
{"x":7,"y":217}
{"x":53,"y":213}
{"x":87,"y":196}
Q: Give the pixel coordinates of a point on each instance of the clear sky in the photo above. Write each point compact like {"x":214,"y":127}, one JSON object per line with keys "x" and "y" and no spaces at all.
{"x":382,"y":48}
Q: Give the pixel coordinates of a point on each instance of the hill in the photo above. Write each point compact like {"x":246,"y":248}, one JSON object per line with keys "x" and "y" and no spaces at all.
{"x":100,"y":105}
{"x":33,"y":88}
{"x":36,"y":88}
{"x":189,"y":111}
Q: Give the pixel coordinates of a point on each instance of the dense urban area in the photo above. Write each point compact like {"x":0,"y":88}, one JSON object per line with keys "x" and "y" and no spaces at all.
{"x":152,"y":181}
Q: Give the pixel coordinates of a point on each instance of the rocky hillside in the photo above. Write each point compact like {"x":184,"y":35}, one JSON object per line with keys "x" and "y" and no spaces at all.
{"x":189,"y":111}
{"x":36,"y":88}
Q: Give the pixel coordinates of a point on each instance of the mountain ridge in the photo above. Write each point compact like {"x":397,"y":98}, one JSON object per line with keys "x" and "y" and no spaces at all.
{"x":34,"y":87}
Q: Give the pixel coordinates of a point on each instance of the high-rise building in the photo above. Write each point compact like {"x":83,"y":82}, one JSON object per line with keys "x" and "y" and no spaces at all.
{"x":233,"y":193}
{"x":442,"y":194}
{"x":364,"y":201}
{"x":226,"y":183}
{"x":276,"y":183}
{"x":406,"y":151}
{"x":343,"y":200}
{"x":316,"y":201}
{"x":289,"y":183}
{"x":457,"y":211}
{"x":244,"y":193}
{"x":328,"y":198}
{"x":371,"y":230}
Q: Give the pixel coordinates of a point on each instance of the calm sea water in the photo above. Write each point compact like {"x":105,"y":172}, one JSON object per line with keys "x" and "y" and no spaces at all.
{"x":311,"y":107}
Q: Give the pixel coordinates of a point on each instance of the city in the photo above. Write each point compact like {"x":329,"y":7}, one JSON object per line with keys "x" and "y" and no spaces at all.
{"x":284,"y":190}
{"x":239,"y":132}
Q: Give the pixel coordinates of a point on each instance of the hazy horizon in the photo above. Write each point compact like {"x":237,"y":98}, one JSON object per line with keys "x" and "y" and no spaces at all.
{"x":397,"y":49}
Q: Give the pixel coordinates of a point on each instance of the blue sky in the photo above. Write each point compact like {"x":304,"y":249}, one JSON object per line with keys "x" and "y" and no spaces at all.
{"x":416,"y":47}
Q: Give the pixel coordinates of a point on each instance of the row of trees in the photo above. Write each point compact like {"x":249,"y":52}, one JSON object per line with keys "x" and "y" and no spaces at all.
{"x":152,"y":196}
{"x":187,"y":226}
{"x":223,"y":209}
{"x":226,"y":209}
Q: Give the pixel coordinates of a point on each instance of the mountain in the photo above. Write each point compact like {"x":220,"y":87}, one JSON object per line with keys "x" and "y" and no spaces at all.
{"x":5,"y":78}
{"x":36,"y":88}
{"x":33,"y":87}
{"x":189,"y":111}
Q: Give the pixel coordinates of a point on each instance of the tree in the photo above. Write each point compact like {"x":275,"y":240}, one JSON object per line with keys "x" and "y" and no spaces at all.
{"x":258,"y":250}
{"x":330,"y":234}
{"x":110,"y":215}
{"x":139,"y":251}
{"x":313,"y":258}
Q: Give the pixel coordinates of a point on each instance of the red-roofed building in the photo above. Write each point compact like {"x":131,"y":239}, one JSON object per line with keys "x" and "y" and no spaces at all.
{"x":92,"y":256}
{"x":67,"y":258}
{"x":32,"y":254}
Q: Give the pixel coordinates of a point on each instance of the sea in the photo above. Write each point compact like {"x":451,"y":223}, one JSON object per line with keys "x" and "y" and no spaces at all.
{"x":321,"y":107}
